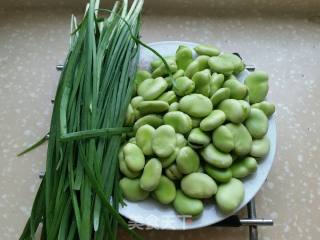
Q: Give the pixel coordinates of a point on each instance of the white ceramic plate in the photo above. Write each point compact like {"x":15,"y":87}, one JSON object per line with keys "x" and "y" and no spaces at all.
{"x":155,"y":215}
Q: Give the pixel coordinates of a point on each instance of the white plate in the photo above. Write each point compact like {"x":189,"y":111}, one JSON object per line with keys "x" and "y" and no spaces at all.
{"x":155,"y":215}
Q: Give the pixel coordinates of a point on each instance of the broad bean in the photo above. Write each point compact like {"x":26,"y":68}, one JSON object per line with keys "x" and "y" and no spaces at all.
{"x":131,"y":189}
{"x":198,"y":139}
{"x":180,"y":121}
{"x":267,"y":107}
{"x":201,"y":80}
{"x":162,"y":70}
{"x":166,"y":191}
{"x":219,"y":96}
{"x":215,"y":157}
{"x":198,"y":185}
{"x":230,"y":195}
{"x":216,"y":82}
{"x":174,"y":107}
{"x":153,"y":106}
{"x":223,"y":139}
{"x":257,"y":83}
{"x":220,"y":64}
{"x":221,"y":175}
{"x":133,"y":157}
{"x":164,"y":141}
{"x":169,"y":160}
{"x":124,"y":168}
{"x":187,"y":160}
{"x":151,"y":175}
{"x":195,"y":105}
{"x":257,"y":123}
{"x":234,"y":110}
{"x":183,"y":57}
{"x":169,"y":97}
{"x":242,"y":138}
{"x":183,"y":86}
{"x":260,"y":147}
{"x":173,"y":173}
{"x":185,"y":205}
{"x":244,"y":167}
{"x":237,"y":89}
{"x":213,"y":120}
{"x":144,"y":138}
{"x":152,"y":88}
{"x":153,"y":120}
{"x":207,"y":50}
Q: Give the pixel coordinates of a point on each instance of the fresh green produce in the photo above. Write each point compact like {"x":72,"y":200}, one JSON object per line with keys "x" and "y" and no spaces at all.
{"x":164,"y":141}
{"x":165,"y":193}
{"x":93,"y":94}
{"x":185,"y":205}
{"x":131,"y":189}
{"x":242,"y":168}
{"x":151,"y":175}
{"x":257,"y":83}
{"x":187,"y":160}
{"x":198,"y":129}
{"x":180,"y":121}
{"x":198,"y":185}
{"x":230,"y":195}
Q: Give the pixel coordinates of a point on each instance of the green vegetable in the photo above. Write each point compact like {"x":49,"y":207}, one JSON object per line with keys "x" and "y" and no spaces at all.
{"x":198,"y":185}
{"x":230,"y":195}
{"x":185,"y":205}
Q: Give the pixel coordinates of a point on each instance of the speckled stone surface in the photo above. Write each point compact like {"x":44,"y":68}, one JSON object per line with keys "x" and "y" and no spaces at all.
{"x":33,"y":42}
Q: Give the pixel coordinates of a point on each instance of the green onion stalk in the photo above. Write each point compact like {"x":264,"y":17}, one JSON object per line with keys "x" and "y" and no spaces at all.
{"x":79,"y":196}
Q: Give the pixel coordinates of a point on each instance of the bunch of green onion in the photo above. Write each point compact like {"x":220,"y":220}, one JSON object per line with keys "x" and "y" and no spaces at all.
{"x":79,"y":195}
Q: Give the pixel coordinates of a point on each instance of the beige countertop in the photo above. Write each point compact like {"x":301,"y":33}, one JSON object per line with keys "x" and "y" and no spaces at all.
{"x":32,"y":42}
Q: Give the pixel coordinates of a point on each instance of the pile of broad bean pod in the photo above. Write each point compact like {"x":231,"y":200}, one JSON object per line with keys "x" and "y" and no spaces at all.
{"x":197,"y":133}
